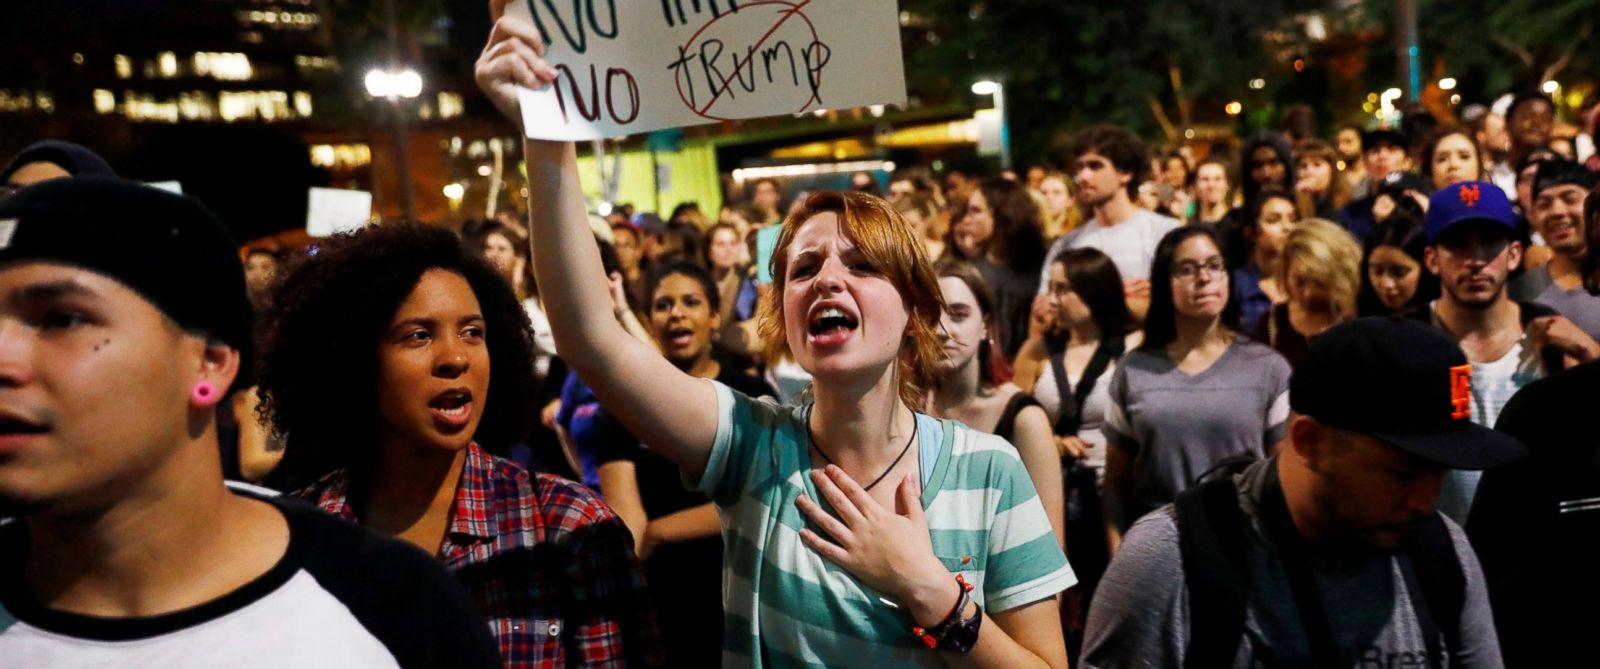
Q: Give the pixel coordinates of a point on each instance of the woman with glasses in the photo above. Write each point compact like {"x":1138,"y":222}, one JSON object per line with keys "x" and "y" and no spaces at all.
{"x":1195,"y":392}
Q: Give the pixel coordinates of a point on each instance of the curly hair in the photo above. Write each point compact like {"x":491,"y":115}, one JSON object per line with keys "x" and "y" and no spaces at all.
{"x":319,"y":360}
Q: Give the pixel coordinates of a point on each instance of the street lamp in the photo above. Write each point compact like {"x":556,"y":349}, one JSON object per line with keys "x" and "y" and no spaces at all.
{"x":995,"y":88}
{"x":394,"y":85}
{"x":404,"y":83}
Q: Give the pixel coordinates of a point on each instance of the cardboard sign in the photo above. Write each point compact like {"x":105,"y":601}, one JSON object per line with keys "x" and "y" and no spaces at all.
{"x":330,"y":211}
{"x":632,"y":66}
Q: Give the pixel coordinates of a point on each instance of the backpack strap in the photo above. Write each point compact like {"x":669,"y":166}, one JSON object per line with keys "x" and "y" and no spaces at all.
{"x":1211,"y":541}
{"x":1108,"y":350}
{"x":1437,"y":587}
{"x":1105,"y":352}
{"x":1067,"y":419}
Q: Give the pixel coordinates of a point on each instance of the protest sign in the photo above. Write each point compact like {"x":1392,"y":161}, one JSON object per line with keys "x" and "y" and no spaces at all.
{"x":636,"y":66}
{"x":330,"y":211}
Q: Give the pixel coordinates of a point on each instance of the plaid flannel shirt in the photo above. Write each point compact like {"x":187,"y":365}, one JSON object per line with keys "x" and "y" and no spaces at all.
{"x":551,"y":567}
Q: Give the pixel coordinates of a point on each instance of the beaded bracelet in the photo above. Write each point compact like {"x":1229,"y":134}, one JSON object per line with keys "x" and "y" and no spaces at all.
{"x":932,"y":636}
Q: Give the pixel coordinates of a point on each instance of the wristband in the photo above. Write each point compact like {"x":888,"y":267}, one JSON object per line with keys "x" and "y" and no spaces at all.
{"x":939,"y":636}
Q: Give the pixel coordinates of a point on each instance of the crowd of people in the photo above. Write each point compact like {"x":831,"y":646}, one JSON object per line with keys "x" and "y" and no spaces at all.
{"x":1279,"y":402}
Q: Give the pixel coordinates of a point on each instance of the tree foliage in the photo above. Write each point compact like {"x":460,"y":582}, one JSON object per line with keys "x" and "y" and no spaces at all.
{"x":1495,"y":46}
{"x":1155,"y":66}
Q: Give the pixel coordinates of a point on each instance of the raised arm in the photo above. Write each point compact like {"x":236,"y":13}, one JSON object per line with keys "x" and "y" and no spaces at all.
{"x":646,"y":393}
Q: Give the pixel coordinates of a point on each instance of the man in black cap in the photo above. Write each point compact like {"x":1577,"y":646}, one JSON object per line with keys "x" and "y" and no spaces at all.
{"x":1384,"y":152}
{"x":1559,"y":190}
{"x":123,"y":323}
{"x":51,"y":159}
{"x":1329,"y":553}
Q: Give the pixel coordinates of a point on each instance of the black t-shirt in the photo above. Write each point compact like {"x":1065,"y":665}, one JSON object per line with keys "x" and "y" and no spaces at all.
{"x":660,"y":484}
{"x":685,"y":578}
{"x":1535,"y":523}
{"x":340,"y":596}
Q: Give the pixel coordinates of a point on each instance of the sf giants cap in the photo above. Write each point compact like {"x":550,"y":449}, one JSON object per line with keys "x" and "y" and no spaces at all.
{"x":1469,"y":201}
{"x":1402,"y":382}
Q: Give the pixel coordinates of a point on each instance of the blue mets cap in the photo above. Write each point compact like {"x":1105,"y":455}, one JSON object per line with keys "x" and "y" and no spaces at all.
{"x":1468,"y":201}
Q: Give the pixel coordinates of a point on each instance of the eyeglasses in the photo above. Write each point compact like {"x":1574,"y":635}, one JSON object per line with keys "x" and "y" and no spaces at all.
{"x":1189,"y":271}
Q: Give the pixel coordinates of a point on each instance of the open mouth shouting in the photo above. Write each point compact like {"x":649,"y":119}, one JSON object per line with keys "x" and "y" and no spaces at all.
{"x":451,"y":409}
{"x":679,"y":338}
{"x":830,"y":325}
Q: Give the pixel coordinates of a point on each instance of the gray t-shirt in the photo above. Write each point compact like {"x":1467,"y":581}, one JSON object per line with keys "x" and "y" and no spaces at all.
{"x":1131,"y":244}
{"x":1140,"y":616}
{"x":1576,"y":304}
{"x":1176,"y":426}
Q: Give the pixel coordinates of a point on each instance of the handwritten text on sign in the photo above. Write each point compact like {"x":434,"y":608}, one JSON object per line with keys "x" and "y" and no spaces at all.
{"x":630,"y":66}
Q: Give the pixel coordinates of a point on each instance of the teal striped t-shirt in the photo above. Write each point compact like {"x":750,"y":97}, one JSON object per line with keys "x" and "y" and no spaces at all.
{"x":786,"y":606}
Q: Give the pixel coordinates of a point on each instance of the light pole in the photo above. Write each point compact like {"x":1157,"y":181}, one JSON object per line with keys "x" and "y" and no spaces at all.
{"x":1407,"y":55}
{"x":395,"y":83}
{"x":998,"y":90}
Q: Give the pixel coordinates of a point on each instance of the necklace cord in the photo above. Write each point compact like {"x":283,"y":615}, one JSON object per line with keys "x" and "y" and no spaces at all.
{"x":903,"y":451}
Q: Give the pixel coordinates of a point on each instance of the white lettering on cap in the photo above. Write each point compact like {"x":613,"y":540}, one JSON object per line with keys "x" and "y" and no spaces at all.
{"x":8,"y":229}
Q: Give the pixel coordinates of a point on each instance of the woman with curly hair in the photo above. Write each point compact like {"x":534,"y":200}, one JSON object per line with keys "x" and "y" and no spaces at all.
{"x":858,"y":532}
{"x":378,"y":357}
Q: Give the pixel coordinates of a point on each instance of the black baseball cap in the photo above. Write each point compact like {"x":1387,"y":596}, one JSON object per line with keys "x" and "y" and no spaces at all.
{"x":1402,"y":382}
{"x":1560,"y":172}
{"x":168,"y":248}
{"x":76,"y":160}
{"x":1370,"y":139}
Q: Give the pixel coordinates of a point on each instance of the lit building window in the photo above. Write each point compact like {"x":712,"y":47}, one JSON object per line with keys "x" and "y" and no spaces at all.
{"x":341,"y":156}
{"x":167,"y":64}
{"x":450,"y":105}
{"x":316,"y":64}
{"x":196,"y":106}
{"x":123,"y":65}
{"x":254,"y":105}
{"x":105,"y":101}
{"x":280,"y":20}
{"x":302,"y":103}
{"x":145,"y":107}
{"x":45,"y":102}
{"x":18,"y":102}
{"x":223,"y":66}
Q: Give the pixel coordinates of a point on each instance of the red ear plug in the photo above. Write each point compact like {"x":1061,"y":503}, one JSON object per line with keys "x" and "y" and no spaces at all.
{"x":203,"y":393}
